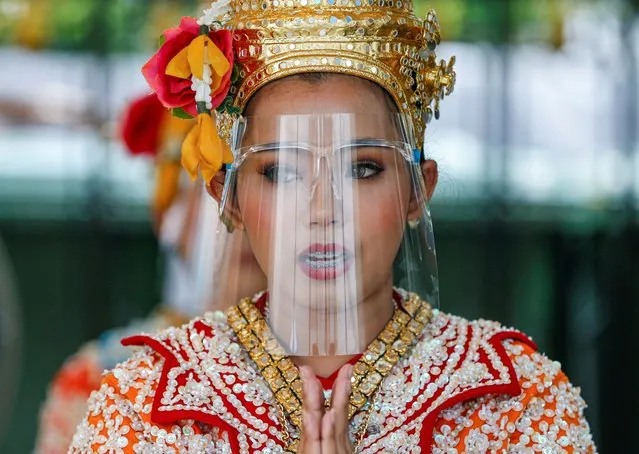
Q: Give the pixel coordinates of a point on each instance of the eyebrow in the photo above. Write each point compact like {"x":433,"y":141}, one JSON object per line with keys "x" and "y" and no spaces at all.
{"x":305,"y":146}
{"x":368,"y":141}
{"x":275,"y":145}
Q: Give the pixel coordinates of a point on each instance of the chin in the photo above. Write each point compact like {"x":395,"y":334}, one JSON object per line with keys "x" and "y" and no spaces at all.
{"x":318,"y":296}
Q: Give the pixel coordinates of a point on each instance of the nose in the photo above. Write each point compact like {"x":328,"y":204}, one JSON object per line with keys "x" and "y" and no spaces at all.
{"x":325,"y":208}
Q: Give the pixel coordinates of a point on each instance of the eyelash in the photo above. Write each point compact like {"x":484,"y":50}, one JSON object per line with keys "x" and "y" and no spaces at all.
{"x":268,"y":169}
{"x":368,"y":165}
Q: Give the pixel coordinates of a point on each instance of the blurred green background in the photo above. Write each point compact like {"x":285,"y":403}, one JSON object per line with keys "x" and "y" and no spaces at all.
{"x":535,"y":214}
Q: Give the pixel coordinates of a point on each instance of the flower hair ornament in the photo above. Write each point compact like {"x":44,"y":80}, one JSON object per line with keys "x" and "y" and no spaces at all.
{"x":211,"y":66}
{"x":191,"y":74}
{"x":148,"y":129}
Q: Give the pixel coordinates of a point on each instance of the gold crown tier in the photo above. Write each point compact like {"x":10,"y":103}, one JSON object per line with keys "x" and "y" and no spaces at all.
{"x":379,"y":40}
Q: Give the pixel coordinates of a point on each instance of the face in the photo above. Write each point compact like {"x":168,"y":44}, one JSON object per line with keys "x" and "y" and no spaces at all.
{"x":324,"y":197}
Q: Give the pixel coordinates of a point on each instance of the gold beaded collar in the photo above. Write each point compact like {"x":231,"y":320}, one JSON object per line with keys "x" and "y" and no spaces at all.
{"x":282,"y":376}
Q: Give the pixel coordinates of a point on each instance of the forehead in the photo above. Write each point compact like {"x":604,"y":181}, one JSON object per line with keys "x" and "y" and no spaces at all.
{"x":321,"y":129}
{"x":328,"y":94}
{"x":329,"y":108}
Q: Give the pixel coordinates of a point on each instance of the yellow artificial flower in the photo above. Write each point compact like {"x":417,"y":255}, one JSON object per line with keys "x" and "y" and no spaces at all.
{"x":191,"y":60}
{"x":203,"y":150}
{"x":166,"y":186}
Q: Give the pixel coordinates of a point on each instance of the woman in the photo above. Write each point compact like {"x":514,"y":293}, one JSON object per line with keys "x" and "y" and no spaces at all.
{"x":310,"y":129}
{"x":186,"y":223}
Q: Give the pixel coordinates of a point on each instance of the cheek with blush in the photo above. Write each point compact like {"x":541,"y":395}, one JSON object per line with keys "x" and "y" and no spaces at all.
{"x":380,"y":223}
{"x":255,"y":213}
{"x":267,"y":226}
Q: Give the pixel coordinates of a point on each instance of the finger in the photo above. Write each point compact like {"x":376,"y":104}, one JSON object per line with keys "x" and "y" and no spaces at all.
{"x":310,"y":442}
{"x":329,"y":442}
{"x":312,"y":392}
{"x":312,"y":412}
{"x":340,"y":399}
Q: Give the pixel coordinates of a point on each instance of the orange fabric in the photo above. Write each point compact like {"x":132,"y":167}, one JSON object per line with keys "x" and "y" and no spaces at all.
{"x":66,"y":401}
{"x":138,"y":407}
{"x":538,"y":434}
{"x":529,"y":423}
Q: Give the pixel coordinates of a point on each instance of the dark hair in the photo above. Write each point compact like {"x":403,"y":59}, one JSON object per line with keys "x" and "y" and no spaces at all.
{"x":313,"y":78}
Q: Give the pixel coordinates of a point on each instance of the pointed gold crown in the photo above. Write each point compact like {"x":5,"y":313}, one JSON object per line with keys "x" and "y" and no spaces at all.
{"x":378,"y":40}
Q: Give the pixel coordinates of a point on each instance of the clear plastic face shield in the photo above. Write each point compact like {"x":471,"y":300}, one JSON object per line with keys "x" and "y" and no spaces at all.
{"x":334,"y":207}
{"x":199,"y":253}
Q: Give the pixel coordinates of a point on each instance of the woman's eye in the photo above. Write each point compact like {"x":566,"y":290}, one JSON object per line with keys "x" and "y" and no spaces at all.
{"x":280,"y":174}
{"x":364,"y":170}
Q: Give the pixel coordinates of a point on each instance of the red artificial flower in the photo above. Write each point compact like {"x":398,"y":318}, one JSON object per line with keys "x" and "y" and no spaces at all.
{"x":141,"y":125}
{"x":176,"y":92}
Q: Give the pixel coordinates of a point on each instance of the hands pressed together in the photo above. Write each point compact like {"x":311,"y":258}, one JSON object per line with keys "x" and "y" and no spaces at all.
{"x":325,"y":430}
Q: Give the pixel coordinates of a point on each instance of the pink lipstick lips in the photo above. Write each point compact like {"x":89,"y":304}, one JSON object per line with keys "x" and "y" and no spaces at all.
{"x":323,"y":262}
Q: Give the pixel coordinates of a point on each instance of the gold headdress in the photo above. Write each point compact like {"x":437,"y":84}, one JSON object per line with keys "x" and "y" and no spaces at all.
{"x":379,"y":40}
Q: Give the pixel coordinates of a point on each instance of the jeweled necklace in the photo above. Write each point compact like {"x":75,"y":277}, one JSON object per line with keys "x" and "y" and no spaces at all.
{"x":283,"y":378}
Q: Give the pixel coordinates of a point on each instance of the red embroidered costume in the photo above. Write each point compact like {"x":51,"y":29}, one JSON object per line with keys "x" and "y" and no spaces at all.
{"x":466,"y":386}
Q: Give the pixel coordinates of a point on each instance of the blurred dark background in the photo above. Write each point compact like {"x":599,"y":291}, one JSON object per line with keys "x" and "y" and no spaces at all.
{"x":535,"y":215}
